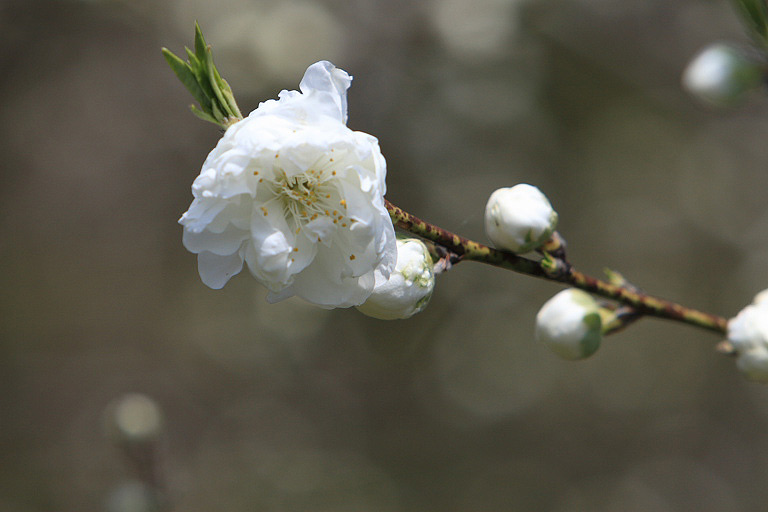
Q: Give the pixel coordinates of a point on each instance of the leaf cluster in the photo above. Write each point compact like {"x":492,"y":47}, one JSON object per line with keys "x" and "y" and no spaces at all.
{"x":201,"y":78}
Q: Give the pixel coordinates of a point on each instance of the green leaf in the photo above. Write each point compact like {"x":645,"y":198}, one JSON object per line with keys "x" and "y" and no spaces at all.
{"x":200,"y":45}
{"x":192,"y":58}
{"x":227,"y":92}
{"x":205,"y":116}
{"x":211,"y":69}
{"x":217,"y":113}
{"x":187,"y":77}
{"x":200,"y":76}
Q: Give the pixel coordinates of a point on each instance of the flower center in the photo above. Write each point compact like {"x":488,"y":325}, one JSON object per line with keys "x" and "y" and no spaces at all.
{"x":308,"y":196}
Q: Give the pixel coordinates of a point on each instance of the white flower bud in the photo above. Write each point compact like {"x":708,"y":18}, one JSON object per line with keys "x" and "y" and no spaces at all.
{"x":570,"y":324}
{"x":748,"y":333}
{"x":721,"y":75}
{"x":519,"y":219}
{"x":134,"y":418}
{"x":409,"y":287}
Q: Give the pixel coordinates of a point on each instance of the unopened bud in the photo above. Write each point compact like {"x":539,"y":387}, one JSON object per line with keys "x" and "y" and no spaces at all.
{"x":409,"y":287}
{"x":721,"y":75}
{"x":519,"y":219}
{"x":570,"y":325}
{"x":134,"y":418}
{"x":748,"y":335}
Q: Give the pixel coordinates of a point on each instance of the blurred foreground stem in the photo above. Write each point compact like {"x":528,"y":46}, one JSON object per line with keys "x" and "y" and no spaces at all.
{"x":555,"y":269}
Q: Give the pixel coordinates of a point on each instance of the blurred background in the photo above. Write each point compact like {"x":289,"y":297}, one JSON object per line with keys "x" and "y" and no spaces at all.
{"x":290,"y":408}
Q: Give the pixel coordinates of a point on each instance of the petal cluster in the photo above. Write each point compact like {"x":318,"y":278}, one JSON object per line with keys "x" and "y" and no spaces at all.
{"x":748,"y":333}
{"x":298,"y":197}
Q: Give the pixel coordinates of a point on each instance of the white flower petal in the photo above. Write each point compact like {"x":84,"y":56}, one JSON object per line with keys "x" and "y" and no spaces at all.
{"x":320,"y":229}
{"x":285,"y":293}
{"x":748,"y":334}
{"x":327,"y":84}
{"x":201,"y":213}
{"x":268,"y":252}
{"x":224,"y":243}
{"x":328,"y":283}
{"x":216,"y":270}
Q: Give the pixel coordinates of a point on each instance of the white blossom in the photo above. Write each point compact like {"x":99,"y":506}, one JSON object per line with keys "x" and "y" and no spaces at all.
{"x":519,"y":219}
{"x":298,"y":196}
{"x":720,"y":75}
{"x":748,"y":333}
{"x":570,"y":324}
{"x":134,"y":418}
{"x":409,"y":287}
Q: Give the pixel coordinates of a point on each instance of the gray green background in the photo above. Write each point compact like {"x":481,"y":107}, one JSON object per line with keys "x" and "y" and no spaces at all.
{"x":291,"y":408}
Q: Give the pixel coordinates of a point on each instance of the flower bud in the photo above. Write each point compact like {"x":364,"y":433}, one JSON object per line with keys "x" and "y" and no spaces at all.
{"x":409,"y":287}
{"x":519,"y":219}
{"x":748,"y":334}
{"x":721,"y":75}
{"x":570,"y":324}
{"x":134,"y":418}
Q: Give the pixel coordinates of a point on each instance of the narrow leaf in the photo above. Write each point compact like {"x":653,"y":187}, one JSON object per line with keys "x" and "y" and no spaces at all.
{"x":205,"y":116}
{"x":211,"y":69}
{"x":200,"y":46}
{"x":185,"y":74}
{"x":217,"y":113}
{"x":201,"y":74}
{"x":192,"y":58}
{"x":227,"y":92}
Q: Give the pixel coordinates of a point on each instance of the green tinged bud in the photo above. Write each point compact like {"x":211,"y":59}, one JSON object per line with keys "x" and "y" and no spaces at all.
{"x":570,"y":324}
{"x":722,"y":75}
{"x":409,"y":287}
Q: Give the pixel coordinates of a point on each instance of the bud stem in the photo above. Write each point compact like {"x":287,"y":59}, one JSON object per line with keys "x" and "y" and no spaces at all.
{"x":555,"y":269}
